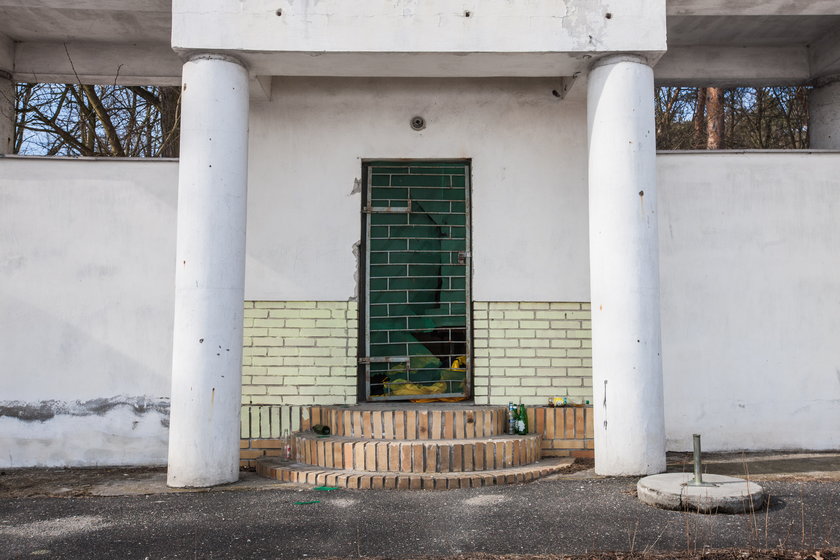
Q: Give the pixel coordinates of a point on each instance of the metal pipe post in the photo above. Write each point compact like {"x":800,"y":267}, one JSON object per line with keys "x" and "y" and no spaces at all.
{"x":698,"y":468}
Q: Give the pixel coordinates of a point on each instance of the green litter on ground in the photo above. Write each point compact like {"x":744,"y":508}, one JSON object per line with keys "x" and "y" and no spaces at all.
{"x":307,"y":503}
{"x":326,"y":488}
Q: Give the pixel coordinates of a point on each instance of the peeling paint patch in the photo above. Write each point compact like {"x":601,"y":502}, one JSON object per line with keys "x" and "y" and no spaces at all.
{"x":357,"y":257}
{"x":46,"y":410}
{"x":580,"y":23}
{"x":357,"y":186}
{"x":12,"y":264}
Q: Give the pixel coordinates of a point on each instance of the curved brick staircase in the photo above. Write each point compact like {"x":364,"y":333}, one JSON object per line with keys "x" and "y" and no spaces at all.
{"x":412,"y":447}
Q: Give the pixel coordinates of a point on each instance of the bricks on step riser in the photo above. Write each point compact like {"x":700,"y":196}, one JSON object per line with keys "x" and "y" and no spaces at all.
{"x":565,"y":428}
{"x":387,"y":459}
{"x":402,"y":481}
{"x":410,"y":424}
{"x":560,"y":428}
{"x":417,"y":456}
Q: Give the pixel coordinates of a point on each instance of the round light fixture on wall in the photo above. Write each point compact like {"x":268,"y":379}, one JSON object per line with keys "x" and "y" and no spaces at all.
{"x":418,"y":123}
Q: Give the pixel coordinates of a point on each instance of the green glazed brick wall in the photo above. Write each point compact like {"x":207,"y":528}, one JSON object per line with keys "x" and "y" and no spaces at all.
{"x":417,"y":242}
{"x":529,"y":351}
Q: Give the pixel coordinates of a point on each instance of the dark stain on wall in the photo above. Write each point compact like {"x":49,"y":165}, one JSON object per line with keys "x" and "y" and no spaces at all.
{"x":46,"y":410}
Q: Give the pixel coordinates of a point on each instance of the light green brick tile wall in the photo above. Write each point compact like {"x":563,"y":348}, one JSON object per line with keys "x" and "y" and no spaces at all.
{"x":299,"y":353}
{"x":529,"y":351}
{"x":302,"y":353}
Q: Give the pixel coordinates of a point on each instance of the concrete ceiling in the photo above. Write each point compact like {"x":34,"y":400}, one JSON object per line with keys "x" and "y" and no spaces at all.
{"x":749,"y":31}
{"x":98,"y":21}
{"x":751,"y":7}
{"x":760,"y":36}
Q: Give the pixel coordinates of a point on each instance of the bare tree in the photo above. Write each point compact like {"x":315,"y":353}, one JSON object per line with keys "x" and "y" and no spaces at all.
{"x":135,"y":121}
{"x":673,"y":118}
{"x":736,"y":118}
{"x":92,"y":120}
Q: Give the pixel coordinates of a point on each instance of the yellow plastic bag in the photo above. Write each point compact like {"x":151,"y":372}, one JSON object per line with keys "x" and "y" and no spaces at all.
{"x":402,"y":387}
{"x":456,"y":373}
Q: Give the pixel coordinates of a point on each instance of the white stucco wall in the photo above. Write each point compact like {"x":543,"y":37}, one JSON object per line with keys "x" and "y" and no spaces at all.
{"x":529,"y":196}
{"x":86,"y":292}
{"x":750,"y":274}
{"x":749,"y":268}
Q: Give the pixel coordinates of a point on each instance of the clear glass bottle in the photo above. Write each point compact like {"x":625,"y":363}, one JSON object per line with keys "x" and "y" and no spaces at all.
{"x":286,"y":442}
{"x":511,"y":417}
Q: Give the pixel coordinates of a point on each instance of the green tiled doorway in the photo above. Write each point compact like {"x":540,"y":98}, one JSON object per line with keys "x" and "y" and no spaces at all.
{"x":415,"y":309}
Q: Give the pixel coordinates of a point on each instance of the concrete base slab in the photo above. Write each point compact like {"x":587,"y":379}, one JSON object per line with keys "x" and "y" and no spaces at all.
{"x":725,"y":494}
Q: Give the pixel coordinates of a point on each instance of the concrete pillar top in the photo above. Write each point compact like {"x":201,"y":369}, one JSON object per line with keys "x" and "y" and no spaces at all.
{"x":621,"y":57}
{"x":216,"y":56}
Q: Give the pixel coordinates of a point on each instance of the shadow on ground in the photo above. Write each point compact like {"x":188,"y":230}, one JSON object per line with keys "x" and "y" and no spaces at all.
{"x":805,"y":466}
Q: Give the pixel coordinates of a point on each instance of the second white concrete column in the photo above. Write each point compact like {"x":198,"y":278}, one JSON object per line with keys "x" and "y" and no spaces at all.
{"x":210,"y":274}
{"x":624,"y":268}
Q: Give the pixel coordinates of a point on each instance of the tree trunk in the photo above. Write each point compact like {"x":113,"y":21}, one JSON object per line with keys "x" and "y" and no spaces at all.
{"x":114,"y":144}
{"x":714,"y":126}
{"x":700,"y":120}
{"x":170,"y":123}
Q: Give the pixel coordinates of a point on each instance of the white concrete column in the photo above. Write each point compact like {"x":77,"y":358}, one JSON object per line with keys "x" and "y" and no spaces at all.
{"x":210,"y":274}
{"x":824,"y":118}
{"x":624,"y":269}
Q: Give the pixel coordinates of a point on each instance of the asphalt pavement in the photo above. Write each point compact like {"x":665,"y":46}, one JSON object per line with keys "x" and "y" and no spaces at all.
{"x":570,"y":514}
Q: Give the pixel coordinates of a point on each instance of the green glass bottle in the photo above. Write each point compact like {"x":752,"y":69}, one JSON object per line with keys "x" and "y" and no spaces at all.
{"x":522,"y":420}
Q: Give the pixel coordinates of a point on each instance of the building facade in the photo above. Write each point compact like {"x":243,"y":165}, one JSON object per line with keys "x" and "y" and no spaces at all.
{"x":403,"y":200}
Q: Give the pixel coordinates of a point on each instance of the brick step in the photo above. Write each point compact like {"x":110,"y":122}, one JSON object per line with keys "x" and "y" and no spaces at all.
{"x":416,"y":421}
{"x":307,"y":474}
{"x":417,"y":456}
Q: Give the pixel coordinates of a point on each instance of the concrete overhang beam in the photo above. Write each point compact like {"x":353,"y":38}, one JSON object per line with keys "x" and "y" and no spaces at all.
{"x":733,"y":66}
{"x":95,"y":63}
{"x":417,"y":65}
{"x":433,"y":38}
{"x":752,"y":8}
{"x":96,"y":5}
{"x":87,"y":20}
